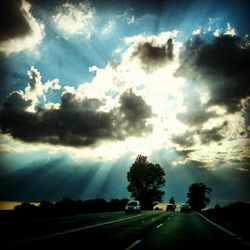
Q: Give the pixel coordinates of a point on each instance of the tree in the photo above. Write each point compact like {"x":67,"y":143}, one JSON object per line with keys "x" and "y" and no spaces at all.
{"x":171,"y":201}
{"x":145,"y":180}
{"x":197,"y":196}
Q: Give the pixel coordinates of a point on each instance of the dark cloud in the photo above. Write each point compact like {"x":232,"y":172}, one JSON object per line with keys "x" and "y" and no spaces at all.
{"x":12,"y":20}
{"x":70,"y":103}
{"x":15,"y":102}
{"x":195,"y":117}
{"x":153,"y":56}
{"x":246,"y":115}
{"x":4,"y":78}
{"x":242,"y":163}
{"x":205,"y":136}
{"x":76,"y":122}
{"x":222,"y":65}
{"x":196,"y":112}
{"x":133,"y":114}
{"x":81,"y":123}
{"x":185,"y":140}
{"x":212,"y":135}
{"x":184,"y":153}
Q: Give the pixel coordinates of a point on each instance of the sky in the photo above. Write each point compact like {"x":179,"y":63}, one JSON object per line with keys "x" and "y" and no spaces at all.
{"x":86,"y":86}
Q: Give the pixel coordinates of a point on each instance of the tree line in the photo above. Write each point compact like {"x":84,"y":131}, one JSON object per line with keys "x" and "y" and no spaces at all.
{"x":146,"y":181}
{"x":67,"y":206}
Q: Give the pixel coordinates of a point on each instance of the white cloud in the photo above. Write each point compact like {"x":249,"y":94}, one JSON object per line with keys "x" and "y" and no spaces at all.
{"x":129,"y":19}
{"x":52,"y":106}
{"x":28,"y":42}
{"x":51,"y":85}
{"x":217,"y":32}
{"x":197,"y":31}
{"x":107,"y":29}
{"x":160,"y":89}
{"x":213,"y":26}
{"x":75,"y":18}
{"x":36,"y":89}
{"x":160,"y":39}
{"x":230,"y":30}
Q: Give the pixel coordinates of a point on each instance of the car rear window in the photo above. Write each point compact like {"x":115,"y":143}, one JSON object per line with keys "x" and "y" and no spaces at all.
{"x":133,"y":203}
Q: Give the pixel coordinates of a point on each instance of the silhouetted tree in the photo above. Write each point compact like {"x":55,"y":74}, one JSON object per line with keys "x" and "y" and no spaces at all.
{"x":145,"y":180}
{"x":46,"y":208}
{"x":45,"y":204}
{"x":117,"y":205}
{"x":217,"y":207}
{"x":95,"y":205}
{"x":25,"y":209}
{"x":171,"y":200}
{"x":197,"y":196}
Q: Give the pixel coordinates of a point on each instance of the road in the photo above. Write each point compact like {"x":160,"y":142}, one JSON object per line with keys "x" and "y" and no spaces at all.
{"x":148,"y":230}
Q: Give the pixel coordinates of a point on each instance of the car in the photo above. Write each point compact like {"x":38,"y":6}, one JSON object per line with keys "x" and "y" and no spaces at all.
{"x":185,"y":208}
{"x":170,"y":207}
{"x":133,"y":206}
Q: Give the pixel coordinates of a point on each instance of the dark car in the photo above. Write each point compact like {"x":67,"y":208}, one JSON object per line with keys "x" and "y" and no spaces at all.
{"x":133,"y":206}
{"x":185,"y":208}
{"x":170,"y":207}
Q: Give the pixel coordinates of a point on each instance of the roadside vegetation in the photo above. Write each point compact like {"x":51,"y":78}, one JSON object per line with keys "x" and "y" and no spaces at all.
{"x":234,"y":217}
{"x":68,"y":206}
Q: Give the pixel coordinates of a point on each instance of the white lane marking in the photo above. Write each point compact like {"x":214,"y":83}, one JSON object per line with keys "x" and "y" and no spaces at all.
{"x":160,"y":225}
{"x":47,"y":236}
{"x":224,"y":230}
{"x":133,"y":245}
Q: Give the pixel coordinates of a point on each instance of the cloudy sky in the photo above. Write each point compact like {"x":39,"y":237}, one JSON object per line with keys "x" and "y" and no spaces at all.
{"x":86,"y":86}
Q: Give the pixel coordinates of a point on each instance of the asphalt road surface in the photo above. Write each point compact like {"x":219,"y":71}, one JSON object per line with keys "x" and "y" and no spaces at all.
{"x":116,"y":230}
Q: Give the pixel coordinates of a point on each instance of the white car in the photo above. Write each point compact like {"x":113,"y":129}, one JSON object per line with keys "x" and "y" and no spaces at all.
{"x":170,"y":207}
{"x":185,"y":208}
{"x":133,"y":206}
